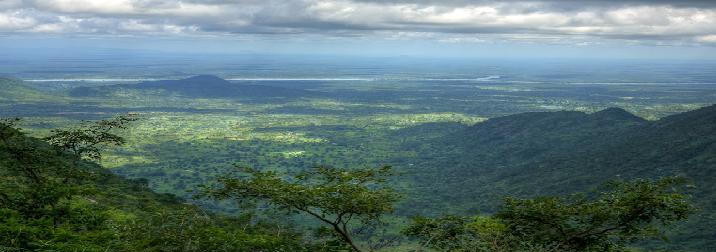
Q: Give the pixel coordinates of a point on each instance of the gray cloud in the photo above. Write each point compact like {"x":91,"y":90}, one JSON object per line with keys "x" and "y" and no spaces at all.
{"x":687,"y":21}
{"x":572,"y":4}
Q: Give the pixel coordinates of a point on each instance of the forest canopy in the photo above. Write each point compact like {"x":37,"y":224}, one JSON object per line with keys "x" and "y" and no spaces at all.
{"x":53,"y":198}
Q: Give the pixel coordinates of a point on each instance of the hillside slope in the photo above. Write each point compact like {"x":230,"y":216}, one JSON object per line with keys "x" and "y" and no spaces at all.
{"x":13,"y":90}
{"x":546,"y":153}
{"x":51,"y":200}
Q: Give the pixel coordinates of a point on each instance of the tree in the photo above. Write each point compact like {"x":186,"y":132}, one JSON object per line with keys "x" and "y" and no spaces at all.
{"x":31,"y":172}
{"x":41,"y":210}
{"x":87,"y":140}
{"x":334,"y":196}
{"x":449,"y":232}
{"x":605,"y":221}
{"x":628,"y":211}
{"x":37,"y":176}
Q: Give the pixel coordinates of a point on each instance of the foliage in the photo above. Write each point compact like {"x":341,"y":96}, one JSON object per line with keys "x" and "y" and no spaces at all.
{"x":553,"y":153}
{"x":609,"y":221}
{"x":627,"y":212}
{"x":35,"y":176}
{"x":186,"y":229}
{"x":449,"y":232}
{"x":88,"y":140}
{"x":466,"y":234}
{"x":334,"y":196}
{"x":51,"y":200}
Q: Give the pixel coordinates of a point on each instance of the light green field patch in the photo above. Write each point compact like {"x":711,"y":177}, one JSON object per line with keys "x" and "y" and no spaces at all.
{"x":287,"y":137}
{"x":338,"y":105}
{"x":116,"y":160}
{"x":292,"y":154}
{"x":406,"y":120}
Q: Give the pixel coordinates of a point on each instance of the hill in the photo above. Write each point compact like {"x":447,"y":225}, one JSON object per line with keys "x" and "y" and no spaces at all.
{"x":51,"y":200}
{"x":547,"y":153}
{"x":13,"y":90}
{"x":201,"y":86}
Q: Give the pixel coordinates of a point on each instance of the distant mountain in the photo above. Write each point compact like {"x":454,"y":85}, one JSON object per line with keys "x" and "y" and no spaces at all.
{"x":546,"y":153}
{"x":201,"y":86}
{"x":14,"y":90}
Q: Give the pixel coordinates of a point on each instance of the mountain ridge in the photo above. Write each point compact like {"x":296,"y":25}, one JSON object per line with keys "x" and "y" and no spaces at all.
{"x":545,"y":153}
{"x":199,"y":86}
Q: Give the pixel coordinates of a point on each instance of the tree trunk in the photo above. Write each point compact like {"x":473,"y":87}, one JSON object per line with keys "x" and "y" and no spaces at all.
{"x":346,"y":237}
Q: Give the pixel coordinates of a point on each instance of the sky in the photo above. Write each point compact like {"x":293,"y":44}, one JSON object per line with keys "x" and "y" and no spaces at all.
{"x":684,"y":29}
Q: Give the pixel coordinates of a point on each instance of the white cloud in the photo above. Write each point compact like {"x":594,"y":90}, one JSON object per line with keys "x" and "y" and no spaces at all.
{"x":86,"y":6}
{"x":707,"y":39}
{"x":455,"y":40}
{"x":12,"y":21}
{"x":53,"y":28}
{"x":514,"y":20}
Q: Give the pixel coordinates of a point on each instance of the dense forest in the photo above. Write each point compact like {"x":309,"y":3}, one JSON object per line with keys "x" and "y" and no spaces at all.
{"x":54,"y":196}
{"x":204,"y":164}
{"x":534,"y":154}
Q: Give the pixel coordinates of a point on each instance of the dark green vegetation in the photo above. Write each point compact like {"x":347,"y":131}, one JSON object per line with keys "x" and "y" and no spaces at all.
{"x":333,"y":196}
{"x":53,"y":200}
{"x":603,"y":221}
{"x":535,"y":154}
{"x":432,"y":131}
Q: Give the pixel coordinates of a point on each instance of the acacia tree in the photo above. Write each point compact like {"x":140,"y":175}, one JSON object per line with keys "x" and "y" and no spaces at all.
{"x":88,"y":140}
{"x":604,"y":221}
{"x":336,"y":197}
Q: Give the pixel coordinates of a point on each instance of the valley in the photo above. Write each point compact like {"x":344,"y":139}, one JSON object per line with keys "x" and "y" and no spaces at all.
{"x":357,"y":126}
{"x":459,"y":144}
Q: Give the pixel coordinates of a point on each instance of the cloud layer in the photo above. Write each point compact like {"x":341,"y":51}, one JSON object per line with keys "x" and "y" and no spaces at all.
{"x":454,"y":21}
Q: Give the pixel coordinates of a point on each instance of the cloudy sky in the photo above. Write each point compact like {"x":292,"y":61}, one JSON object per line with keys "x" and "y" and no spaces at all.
{"x":685,"y":28}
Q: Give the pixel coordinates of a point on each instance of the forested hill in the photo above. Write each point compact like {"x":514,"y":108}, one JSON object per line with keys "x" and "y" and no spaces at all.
{"x":13,"y":90}
{"x":200,"y":86}
{"x":562,"y":152}
{"x":51,"y":200}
